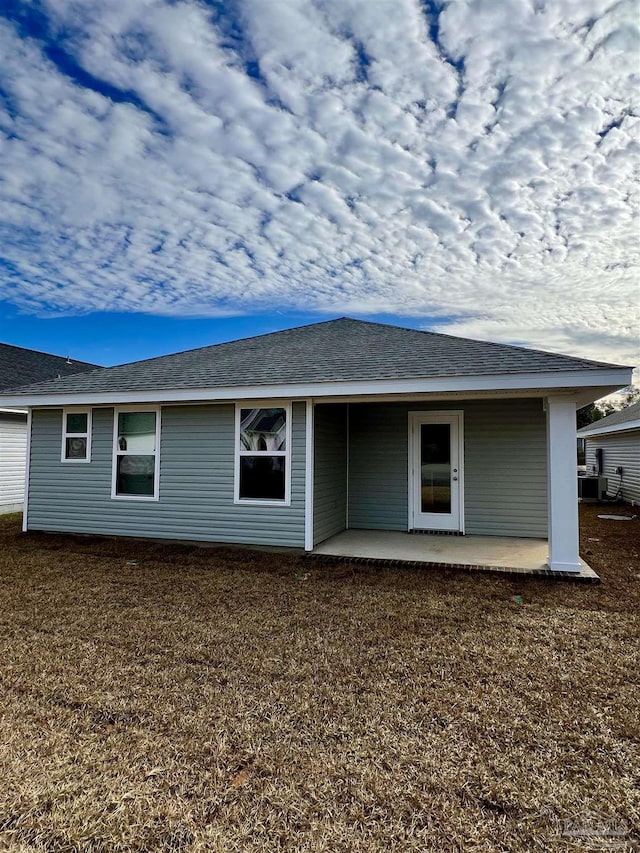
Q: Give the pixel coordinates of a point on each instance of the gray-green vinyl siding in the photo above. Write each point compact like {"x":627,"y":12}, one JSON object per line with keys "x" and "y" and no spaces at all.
{"x":505,"y":468}
{"x":196,"y":483}
{"x":330,"y":471}
{"x":620,"y":449}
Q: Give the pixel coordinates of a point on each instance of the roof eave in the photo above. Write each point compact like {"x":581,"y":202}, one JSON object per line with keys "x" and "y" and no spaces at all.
{"x":586,"y":385}
{"x":625,"y":426}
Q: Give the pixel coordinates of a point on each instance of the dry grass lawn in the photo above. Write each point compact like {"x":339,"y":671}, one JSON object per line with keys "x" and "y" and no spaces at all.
{"x":176,"y":698}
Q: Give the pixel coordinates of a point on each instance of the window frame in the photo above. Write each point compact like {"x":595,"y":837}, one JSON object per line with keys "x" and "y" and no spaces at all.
{"x":116,"y":452}
{"x":239,"y":452}
{"x":86,"y":435}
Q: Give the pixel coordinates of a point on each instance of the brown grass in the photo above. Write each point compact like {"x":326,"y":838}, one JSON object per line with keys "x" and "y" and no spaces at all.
{"x":229,"y":700}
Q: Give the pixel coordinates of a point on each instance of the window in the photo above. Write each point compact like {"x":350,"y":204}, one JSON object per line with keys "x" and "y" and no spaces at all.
{"x":263,"y":438}
{"x":135,"y":454}
{"x":76,"y":435}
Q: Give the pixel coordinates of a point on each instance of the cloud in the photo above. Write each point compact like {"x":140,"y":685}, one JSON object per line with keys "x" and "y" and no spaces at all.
{"x":411,"y":158}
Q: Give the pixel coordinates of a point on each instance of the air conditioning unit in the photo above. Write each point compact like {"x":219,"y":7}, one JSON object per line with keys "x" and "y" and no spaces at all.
{"x":592,"y":488}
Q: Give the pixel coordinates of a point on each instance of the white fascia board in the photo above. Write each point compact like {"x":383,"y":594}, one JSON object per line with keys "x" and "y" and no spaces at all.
{"x":565,"y":381}
{"x":623,"y":427}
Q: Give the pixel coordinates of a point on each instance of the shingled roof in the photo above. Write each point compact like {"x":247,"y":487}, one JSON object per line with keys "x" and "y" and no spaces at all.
{"x":332,"y":351}
{"x":622,"y":419}
{"x":20,"y":366}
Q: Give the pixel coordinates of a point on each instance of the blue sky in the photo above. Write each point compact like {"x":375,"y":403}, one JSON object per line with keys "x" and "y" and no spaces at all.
{"x":178,"y":173}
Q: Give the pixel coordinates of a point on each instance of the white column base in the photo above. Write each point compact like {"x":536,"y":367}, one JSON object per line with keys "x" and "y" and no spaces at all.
{"x":564,"y":567}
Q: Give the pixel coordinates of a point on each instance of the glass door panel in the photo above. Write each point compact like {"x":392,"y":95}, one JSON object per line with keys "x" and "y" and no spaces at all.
{"x":435,"y":496}
{"x":435,"y":467}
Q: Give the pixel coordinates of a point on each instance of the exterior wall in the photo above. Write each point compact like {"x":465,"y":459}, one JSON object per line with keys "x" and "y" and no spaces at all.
{"x":196,"y":483}
{"x":330,"y":471}
{"x":13,"y":448}
{"x":505,"y":468}
{"x":620,"y":449}
{"x":378,"y":466}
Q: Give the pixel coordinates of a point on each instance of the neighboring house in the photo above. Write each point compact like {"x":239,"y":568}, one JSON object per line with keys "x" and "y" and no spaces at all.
{"x":19,"y":366}
{"x":289,"y":438}
{"x":611,"y":444}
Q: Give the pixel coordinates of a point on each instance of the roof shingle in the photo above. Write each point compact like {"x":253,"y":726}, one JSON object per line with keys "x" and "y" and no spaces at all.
{"x":20,"y":366}
{"x":335,"y":350}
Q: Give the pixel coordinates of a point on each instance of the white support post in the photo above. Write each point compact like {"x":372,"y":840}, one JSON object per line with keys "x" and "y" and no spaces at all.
{"x":27,"y":473}
{"x":308,"y":480}
{"x":562,"y":485}
{"x":348,"y":428}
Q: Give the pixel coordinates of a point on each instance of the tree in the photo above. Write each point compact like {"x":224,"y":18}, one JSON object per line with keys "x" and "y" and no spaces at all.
{"x":630,"y":395}
{"x":595,"y":411}
{"x":592,"y":413}
{"x":588,"y":415}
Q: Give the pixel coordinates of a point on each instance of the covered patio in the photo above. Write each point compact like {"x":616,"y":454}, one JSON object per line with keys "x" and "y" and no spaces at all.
{"x":505,"y":554}
{"x":483,"y":484}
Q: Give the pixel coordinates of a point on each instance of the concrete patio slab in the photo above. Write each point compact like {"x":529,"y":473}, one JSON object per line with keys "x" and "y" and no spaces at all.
{"x":504,"y":554}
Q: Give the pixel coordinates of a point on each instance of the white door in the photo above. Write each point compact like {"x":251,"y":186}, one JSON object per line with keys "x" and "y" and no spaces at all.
{"x":435,"y":481}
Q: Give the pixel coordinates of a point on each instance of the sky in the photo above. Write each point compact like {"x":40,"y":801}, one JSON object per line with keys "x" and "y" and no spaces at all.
{"x":175,"y":173}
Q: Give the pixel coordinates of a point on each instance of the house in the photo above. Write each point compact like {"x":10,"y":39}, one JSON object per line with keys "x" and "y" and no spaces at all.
{"x":19,"y":366}
{"x":289,"y":438}
{"x":612,"y":450}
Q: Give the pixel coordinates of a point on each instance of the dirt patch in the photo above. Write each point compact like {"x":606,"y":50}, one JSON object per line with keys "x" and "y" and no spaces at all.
{"x":182,"y":698}
{"x":610,"y":545}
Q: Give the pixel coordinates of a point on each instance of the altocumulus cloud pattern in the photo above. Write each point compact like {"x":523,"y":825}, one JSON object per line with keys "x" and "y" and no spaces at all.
{"x":471,"y":160}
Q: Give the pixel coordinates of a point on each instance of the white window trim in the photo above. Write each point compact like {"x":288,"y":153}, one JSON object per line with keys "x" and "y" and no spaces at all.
{"x":238,"y":452}
{"x":117,"y":452}
{"x":65,"y":435}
